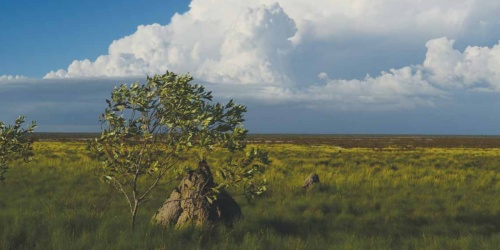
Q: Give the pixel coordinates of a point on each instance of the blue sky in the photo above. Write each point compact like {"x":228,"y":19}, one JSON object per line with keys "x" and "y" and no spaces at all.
{"x":383,"y":67}
{"x":39,"y":36}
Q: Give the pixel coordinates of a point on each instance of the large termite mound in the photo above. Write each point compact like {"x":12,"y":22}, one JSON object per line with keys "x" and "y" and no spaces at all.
{"x":188,"y":203}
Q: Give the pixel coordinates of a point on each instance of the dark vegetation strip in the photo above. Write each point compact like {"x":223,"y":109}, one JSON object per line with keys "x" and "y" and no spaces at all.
{"x":344,"y":141}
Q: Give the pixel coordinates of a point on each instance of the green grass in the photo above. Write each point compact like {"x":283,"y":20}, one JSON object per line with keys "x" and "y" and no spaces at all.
{"x":427,"y":198}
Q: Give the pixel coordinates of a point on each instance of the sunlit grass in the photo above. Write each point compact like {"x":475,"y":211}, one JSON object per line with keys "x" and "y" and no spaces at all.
{"x":427,"y":198}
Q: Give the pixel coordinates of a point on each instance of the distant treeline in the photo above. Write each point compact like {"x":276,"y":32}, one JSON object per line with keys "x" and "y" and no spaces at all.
{"x":406,"y":142}
{"x":59,"y":136}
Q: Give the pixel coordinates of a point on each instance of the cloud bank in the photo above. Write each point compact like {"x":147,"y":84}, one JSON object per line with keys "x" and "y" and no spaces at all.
{"x":318,"y":53}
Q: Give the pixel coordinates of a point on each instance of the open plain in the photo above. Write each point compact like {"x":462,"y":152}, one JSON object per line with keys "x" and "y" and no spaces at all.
{"x":376,"y":192}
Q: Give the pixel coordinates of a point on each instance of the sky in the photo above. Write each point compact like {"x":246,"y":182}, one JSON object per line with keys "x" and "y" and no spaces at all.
{"x":320,"y":67}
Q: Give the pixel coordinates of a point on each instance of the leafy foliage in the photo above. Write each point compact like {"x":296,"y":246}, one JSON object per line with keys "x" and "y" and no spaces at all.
{"x":148,"y":129}
{"x":242,"y":172}
{"x":14,"y":143}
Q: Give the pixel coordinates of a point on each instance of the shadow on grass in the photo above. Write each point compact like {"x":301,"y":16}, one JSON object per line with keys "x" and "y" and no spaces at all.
{"x":301,"y":227}
{"x":401,"y":227}
{"x":479,"y":223}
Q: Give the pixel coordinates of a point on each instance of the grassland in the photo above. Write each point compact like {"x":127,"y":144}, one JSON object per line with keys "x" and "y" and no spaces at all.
{"x":387,"y":197}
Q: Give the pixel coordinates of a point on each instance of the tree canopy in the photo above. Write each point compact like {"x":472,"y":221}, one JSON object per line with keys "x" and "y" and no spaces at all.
{"x":147,"y":130}
{"x":14,"y":143}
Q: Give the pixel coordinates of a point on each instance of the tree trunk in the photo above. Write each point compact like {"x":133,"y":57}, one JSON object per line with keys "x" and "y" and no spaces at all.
{"x":134,"y":214}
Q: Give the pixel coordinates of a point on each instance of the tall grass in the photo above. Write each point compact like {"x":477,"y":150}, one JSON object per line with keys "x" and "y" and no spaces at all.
{"x":427,"y":198}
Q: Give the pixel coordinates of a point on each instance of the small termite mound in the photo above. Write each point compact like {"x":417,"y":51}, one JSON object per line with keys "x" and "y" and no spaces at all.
{"x":311,"y":181}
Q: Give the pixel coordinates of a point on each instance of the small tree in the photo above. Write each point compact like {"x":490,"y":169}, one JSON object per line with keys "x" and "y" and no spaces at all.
{"x":148,"y":129}
{"x":14,"y":143}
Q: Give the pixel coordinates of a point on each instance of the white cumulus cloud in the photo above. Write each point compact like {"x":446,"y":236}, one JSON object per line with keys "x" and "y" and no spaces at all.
{"x":5,"y":78}
{"x":297,"y":50}
{"x":254,"y":49}
{"x":474,"y":68}
{"x":398,"y":88}
{"x":250,"y":47}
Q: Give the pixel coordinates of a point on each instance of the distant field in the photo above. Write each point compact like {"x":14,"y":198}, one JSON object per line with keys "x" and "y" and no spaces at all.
{"x":344,"y":141}
{"x":376,"y":193}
